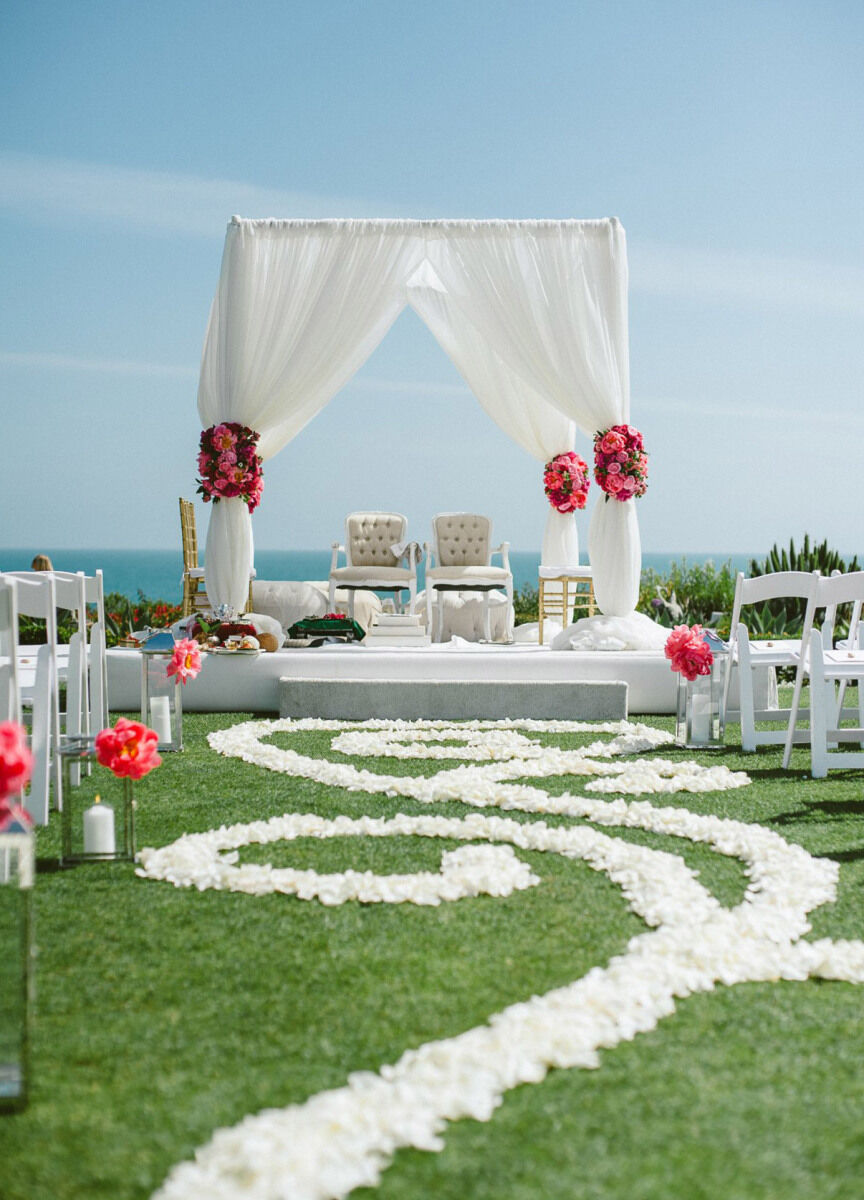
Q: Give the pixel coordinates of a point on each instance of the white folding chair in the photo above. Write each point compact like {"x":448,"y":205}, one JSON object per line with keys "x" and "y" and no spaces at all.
{"x":747,"y":654}
{"x":825,"y":667}
{"x":90,"y":592}
{"x":39,"y":692}
{"x":10,"y":694}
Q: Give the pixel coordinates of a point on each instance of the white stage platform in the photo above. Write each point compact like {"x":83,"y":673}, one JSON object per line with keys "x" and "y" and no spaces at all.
{"x":228,"y":684}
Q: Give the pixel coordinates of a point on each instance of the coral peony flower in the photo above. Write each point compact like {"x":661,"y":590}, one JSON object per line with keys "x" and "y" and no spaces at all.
{"x":612,"y":442}
{"x":16,"y":761}
{"x":688,"y":653}
{"x":185,"y":661}
{"x":129,"y":749}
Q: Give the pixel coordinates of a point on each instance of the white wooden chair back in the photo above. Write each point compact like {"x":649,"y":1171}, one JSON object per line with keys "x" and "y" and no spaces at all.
{"x":36,"y":597}
{"x":90,"y":592}
{"x":759,"y":589}
{"x":831,"y":592}
{"x":10,"y":694}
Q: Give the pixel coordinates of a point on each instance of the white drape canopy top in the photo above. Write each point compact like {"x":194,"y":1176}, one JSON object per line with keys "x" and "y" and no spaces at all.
{"x":532,"y":313}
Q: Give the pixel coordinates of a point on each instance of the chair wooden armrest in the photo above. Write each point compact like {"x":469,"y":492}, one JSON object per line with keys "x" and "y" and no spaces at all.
{"x":429,"y":556}
{"x":504,"y":551}
{"x":337,"y":549}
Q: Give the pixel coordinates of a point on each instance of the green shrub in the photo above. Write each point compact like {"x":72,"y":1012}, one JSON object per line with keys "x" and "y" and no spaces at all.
{"x":785,"y":617}
{"x":688,"y":593}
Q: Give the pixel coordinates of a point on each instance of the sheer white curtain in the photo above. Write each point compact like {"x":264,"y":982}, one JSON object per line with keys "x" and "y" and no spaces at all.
{"x":299,"y":308}
{"x":550,"y":299}
{"x":513,"y":405}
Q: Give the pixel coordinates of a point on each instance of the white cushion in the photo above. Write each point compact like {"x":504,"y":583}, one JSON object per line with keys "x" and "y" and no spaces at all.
{"x":462,"y":538}
{"x":371,"y":575}
{"x":496,"y":575}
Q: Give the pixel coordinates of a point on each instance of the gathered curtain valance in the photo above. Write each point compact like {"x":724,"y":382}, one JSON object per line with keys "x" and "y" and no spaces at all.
{"x":532,"y":313}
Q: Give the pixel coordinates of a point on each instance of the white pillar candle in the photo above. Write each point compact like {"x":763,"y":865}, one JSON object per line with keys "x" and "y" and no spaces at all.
{"x":160,"y":718}
{"x":700,"y":719}
{"x":99,"y":829}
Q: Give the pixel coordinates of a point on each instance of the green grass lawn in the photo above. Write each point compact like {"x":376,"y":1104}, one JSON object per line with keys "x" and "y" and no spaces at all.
{"x":163,"y":1014}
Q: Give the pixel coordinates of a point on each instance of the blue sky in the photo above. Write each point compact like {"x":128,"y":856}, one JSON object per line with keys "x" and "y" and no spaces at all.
{"x":727,"y":138}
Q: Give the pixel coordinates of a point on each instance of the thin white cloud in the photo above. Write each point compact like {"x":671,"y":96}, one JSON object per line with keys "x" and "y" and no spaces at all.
{"x":788,"y":418}
{"x":45,"y":360}
{"x":745,"y":279}
{"x":52,"y":189}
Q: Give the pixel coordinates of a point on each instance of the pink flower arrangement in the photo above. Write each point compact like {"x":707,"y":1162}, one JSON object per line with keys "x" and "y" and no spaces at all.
{"x":129,"y":749}
{"x":688,"y":653}
{"x":16,"y":761}
{"x":620,"y":462}
{"x":565,"y":481}
{"x":229,"y":465}
{"x":185,"y":661}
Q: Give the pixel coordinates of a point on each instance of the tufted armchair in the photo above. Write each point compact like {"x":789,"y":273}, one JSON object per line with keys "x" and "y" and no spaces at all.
{"x":375,"y":551}
{"x":461,"y":548}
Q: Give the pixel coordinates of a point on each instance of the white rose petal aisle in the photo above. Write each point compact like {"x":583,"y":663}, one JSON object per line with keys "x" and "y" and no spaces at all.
{"x":344,"y":1138}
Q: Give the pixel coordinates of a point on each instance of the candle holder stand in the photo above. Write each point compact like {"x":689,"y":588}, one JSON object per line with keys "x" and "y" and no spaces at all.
{"x":700,"y":720}
{"x":161,"y":702}
{"x":17,"y":951}
{"x":98,"y":819}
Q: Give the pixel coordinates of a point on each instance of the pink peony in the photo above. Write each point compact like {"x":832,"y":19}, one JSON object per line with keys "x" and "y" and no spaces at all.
{"x":612,"y":442}
{"x":613,"y":483}
{"x":185,"y":661}
{"x":129,"y":749}
{"x":688,"y":653}
{"x":16,"y":761}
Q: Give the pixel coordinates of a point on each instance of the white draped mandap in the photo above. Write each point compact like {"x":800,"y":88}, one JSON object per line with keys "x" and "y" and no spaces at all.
{"x":532,"y":313}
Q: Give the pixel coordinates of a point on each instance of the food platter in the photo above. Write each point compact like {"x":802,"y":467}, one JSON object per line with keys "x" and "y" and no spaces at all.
{"x":233,"y":653}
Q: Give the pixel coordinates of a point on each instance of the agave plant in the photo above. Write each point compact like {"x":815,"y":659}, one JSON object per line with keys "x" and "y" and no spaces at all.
{"x":788,"y":613}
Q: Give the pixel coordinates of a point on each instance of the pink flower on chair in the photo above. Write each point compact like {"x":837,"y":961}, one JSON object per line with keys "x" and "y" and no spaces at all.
{"x":129,"y":749}
{"x":185,"y":661}
{"x":688,"y":652}
{"x":16,"y":761}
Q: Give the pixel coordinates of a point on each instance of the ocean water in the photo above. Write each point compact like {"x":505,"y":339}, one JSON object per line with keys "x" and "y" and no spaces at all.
{"x":157,"y":573}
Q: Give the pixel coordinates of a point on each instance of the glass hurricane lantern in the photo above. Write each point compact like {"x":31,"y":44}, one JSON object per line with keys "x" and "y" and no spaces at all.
{"x":17,"y":951}
{"x":98,"y":819}
{"x":161,"y":703}
{"x":700,"y":718}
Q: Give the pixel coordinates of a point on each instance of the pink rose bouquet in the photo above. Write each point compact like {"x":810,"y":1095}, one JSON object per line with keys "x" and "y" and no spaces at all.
{"x":688,"y":652}
{"x":229,"y":465}
{"x":129,"y":749}
{"x":185,"y":661}
{"x":16,"y":761}
{"x":620,"y":462}
{"x":565,"y":481}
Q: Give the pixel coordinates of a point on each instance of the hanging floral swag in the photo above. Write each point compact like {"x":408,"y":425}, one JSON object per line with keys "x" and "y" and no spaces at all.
{"x":565,"y":481}
{"x":229,"y":464}
{"x":620,"y":462}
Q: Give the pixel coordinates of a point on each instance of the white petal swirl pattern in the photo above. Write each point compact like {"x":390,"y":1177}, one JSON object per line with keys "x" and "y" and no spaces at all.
{"x":344,"y":1138}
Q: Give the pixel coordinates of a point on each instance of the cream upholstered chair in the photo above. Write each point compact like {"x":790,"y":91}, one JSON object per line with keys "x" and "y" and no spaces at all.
{"x":461,"y":548}
{"x":375,"y":549}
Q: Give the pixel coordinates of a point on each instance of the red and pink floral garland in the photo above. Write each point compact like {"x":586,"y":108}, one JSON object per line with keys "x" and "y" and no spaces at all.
{"x":229,"y":464}
{"x":620,"y":462}
{"x":565,"y":481}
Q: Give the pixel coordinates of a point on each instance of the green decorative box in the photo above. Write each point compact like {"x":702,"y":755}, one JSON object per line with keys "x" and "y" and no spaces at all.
{"x":316,"y":627}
